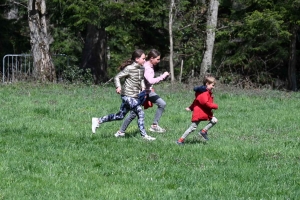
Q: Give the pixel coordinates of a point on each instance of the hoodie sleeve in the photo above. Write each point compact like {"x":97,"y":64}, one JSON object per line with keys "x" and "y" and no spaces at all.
{"x":149,"y":76}
{"x":120,"y":75}
{"x":192,"y":106}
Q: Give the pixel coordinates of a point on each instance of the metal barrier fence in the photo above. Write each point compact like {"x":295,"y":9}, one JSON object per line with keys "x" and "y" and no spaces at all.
{"x":18,"y":67}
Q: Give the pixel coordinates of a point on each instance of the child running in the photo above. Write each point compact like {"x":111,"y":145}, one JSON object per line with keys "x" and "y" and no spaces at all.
{"x":133,"y":73}
{"x":202,"y":109}
{"x":153,"y":58}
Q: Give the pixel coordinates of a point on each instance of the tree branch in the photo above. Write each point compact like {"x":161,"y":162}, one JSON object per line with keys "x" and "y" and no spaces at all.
{"x":19,"y":4}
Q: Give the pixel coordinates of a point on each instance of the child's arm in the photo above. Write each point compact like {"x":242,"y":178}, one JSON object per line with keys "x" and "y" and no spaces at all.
{"x":143,"y":86}
{"x":191,"y":107}
{"x":149,"y":76}
{"x":120,"y":75}
{"x":203,"y":100}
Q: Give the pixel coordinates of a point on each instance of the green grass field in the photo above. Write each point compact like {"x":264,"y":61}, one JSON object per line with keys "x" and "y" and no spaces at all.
{"x":47,"y":150}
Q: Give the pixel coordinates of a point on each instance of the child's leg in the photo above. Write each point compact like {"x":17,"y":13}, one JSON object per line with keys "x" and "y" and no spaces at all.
{"x":210,"y":124}
{"x":161,"y":104}
{"x":127,"y":104}
{"x":141,"y":117}
{"x":127,"y":121}
{"x":192,"y":127}
{"x":141,"y":124}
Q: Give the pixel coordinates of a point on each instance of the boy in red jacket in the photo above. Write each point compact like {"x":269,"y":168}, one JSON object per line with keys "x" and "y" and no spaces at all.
{"x":202,"y":109}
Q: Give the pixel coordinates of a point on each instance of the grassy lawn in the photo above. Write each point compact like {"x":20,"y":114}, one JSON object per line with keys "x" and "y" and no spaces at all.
{"x":47,"y":150}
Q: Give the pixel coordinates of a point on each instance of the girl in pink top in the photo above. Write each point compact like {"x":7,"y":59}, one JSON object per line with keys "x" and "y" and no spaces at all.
{"x":153,"y":58}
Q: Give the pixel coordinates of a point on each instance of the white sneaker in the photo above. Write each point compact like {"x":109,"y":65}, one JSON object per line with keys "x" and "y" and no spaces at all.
{"x":148,"y":137}
{"x":157,"y":129}
{"x":119,"y":134}
{"x":95,"y":124}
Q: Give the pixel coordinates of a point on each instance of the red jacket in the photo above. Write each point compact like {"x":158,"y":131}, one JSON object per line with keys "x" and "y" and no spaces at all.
{"x":202,"y":106}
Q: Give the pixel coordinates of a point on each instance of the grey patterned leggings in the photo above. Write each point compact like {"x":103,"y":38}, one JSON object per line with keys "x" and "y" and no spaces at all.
{"x":194,"y":126}
{"x":128,"y":104}
{"x":154,"y":98}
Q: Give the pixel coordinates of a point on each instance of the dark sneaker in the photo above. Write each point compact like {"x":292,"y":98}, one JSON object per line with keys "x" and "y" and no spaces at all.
{"x":180,"y":142}
{"x":204,"y":134}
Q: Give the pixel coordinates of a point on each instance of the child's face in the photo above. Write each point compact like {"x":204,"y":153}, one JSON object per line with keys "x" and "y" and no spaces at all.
{"x":210,"y":86}
{"x":140,"y":60}
{"x":155,"y":61}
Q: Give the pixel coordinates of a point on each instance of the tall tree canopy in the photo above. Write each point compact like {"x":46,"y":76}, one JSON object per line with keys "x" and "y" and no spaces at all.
{"x":257,"y":41}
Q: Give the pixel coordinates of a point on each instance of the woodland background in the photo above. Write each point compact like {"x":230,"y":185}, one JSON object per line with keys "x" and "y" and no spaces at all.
{"x":256,"y":42}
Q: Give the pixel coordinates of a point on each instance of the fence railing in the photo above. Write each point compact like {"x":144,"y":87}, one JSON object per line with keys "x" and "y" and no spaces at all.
{"x":18,"y":67}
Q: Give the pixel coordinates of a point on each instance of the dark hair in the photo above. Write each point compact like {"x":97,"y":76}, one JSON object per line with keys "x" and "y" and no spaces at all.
{"x":153,"y":53}
{"x":136,"y":54}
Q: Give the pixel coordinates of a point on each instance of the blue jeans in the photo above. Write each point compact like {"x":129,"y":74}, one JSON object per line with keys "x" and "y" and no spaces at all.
{"x":128,"y":104}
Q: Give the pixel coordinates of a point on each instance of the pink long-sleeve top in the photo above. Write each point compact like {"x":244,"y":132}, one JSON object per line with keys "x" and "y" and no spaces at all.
{"x":149,"y":76}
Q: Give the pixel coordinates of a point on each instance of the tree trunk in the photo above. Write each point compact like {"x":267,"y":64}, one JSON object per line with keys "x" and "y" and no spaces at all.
{"x":292,"y":60}
{"x":94,"y":55}
{"x":172,"y":4}
{"x":181,"y":69}
{"x":40,"y":41}
{"x":212,"y":17}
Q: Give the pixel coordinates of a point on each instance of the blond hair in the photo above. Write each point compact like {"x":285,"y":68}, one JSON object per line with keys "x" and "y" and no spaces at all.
{"x":209,"y":79}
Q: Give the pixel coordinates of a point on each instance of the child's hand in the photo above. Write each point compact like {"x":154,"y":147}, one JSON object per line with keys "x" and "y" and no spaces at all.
{"x":166,"y":74}
{"x":187,"y":109}
{"x":118,"y":90}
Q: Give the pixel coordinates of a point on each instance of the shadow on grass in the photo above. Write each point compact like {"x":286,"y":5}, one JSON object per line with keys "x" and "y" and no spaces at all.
{"x":195,"y":140}
{"x":131,"y":134}
{"x":14,"y":130}
{"x":106,"y":135}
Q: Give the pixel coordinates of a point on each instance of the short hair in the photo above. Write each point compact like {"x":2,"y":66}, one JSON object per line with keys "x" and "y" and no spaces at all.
{"x":209,"y":79}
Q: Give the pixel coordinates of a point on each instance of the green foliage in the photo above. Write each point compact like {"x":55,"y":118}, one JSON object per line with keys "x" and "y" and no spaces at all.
{"x":252,"y":37}
{"x":13,"y":34}
{"x":257,"y":42}
{"x":189,"y":35}
{"x":67,"y":40}
{"x":73,"y":74}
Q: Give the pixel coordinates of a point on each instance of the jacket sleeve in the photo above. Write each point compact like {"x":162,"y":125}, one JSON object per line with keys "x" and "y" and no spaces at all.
{"x":192,"y":106}
{"x":120,"y":75}
{"x":149,"y":76}
{"x":204,"y":100}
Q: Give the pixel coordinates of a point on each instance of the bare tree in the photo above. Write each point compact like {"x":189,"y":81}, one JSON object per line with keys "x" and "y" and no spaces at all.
{"x":40,"y":41}
{"x":172,"y":4}
{"x":212,"y":17}
{"x":292,"y":60}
